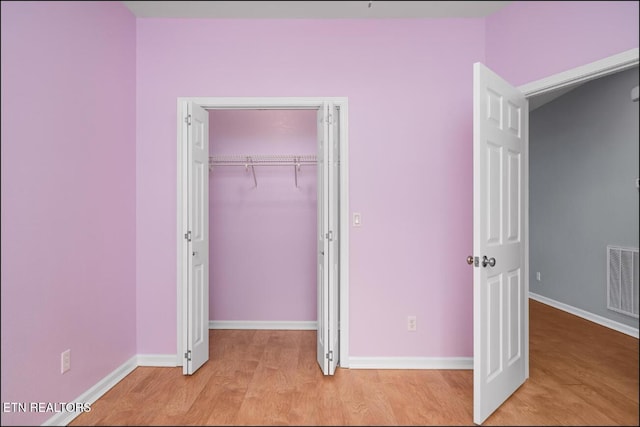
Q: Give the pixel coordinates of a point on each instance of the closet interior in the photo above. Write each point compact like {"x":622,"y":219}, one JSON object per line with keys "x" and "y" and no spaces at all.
{"x":262,"y":217}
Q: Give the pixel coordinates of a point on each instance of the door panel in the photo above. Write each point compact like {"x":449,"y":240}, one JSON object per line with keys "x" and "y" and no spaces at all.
{"x":500,"y":149}
{"x":323,"y":250}
{"x":334,"y":236}
{"x":197,"y":346}
{"x":328,"y":238}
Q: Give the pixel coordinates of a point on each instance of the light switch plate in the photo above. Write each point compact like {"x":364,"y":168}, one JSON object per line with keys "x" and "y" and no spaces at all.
{"x":357,"y":219}
{"x":65,"y":361}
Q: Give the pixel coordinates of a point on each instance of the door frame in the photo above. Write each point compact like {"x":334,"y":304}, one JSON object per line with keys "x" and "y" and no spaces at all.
{"x":262,"y":103}
{"x":581,"y":74}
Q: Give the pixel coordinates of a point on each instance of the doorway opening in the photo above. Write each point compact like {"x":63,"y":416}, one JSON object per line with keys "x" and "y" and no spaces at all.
{"x":592,"y":125}
{"x":547,"y":89}
{"x":192,"y":222}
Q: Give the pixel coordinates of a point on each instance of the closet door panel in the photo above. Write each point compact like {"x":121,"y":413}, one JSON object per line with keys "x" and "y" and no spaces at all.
{"x":333,"y":242}
{"x":323,"y":255}
{"x":197,"y":350}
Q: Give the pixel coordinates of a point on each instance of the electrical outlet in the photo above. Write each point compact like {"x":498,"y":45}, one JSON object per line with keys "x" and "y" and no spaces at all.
{"x":411,"y":323}
{"x":538,"y":276}
{"x":65,"y":361}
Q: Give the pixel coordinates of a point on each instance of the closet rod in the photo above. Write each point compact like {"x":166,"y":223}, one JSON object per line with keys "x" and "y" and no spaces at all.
{"x":250,"y":163}
{"x":263,"y":160}
{"x":242,"y":159}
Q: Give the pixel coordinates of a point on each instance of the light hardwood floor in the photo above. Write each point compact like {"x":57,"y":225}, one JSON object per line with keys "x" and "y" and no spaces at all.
{"x":580,"y":374}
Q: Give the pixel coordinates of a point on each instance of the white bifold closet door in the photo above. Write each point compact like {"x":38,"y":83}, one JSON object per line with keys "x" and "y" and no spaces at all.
{"x":328,"y":201}
{"x":196,"y":340}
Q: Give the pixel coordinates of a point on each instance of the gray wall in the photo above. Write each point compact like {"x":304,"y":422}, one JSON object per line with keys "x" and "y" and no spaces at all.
{"x":583,"y":196}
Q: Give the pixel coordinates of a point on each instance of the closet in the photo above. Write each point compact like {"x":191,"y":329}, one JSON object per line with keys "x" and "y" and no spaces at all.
{"x":270,"y":175}
{"x":262,"y":219}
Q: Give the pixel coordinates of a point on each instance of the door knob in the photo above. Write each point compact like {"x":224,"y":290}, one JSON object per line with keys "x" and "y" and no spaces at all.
{"x":488,"y":261}
{"x":470,"y":260}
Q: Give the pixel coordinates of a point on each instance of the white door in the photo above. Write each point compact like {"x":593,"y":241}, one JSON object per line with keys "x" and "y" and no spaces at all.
{"x":197,"y":239}
{"x":333,"y":239}
{"x":500,"y":287}
{"x":328,"y":335}
{"x":323,"y":249}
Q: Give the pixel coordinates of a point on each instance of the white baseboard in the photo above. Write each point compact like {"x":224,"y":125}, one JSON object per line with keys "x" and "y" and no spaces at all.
{"x":298,"y":325}
{"x":163,"y":360}
{"x":411,"y":363}
{"x":94,"y":393}
{"x":603,"y":321}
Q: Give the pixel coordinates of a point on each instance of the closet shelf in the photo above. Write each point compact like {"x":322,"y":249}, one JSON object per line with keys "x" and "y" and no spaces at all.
{"x":250,"y":161}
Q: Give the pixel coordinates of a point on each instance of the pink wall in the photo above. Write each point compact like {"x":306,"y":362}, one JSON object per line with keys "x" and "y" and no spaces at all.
{"x":68,"y":198}
{"x":262,"y":246}
{"x":409,"y":85}
{"x":530,"y":40}
{"x":72,"y":276}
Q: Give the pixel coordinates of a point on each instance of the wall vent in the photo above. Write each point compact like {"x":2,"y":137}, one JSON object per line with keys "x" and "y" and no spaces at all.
{"x":623,"y":267}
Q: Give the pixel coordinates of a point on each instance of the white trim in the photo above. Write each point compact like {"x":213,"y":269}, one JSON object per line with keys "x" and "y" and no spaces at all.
{"x":525,"y":214}
{"x":411,"y":363}
{"x":94,"y":393}
{"x":253,"y":103}
{"x":159,"y":360}
{"x":211,"y":103}
{"x":345,"y":226}
{"x":293,"y":325}
{"x":610,"y":65}
{"x":603,"y":321}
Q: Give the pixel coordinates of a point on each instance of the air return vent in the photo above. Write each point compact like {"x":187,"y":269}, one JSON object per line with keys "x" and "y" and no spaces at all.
{"x":623,"y":280}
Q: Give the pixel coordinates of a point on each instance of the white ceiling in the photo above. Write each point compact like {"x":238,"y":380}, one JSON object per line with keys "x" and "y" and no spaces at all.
{"x":314,"y":9}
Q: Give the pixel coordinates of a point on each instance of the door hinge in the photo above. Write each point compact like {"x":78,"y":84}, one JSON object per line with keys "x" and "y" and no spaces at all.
{"x":330,"y":118}
{"x":187,"y":355}
{"x":187,"y":235}
{"x":329,"y":235}
{"x":187,"y":119}
{"x":330,"y":355}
